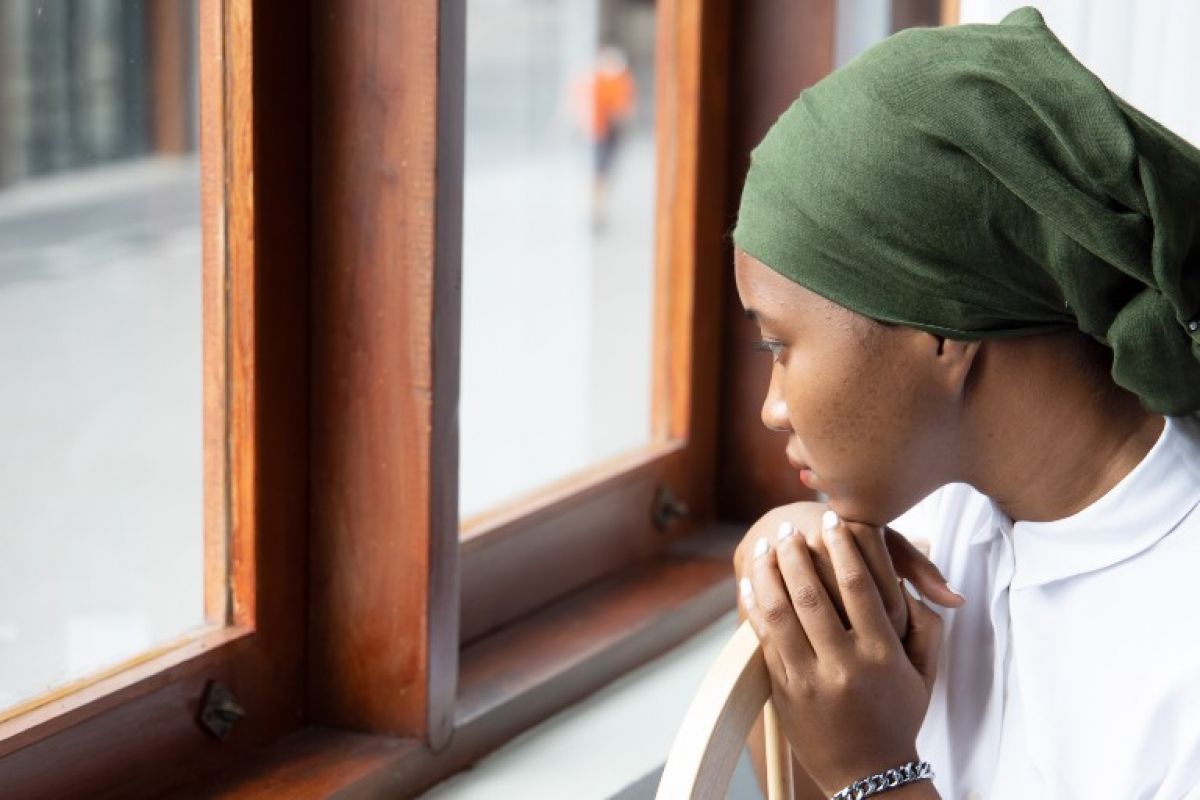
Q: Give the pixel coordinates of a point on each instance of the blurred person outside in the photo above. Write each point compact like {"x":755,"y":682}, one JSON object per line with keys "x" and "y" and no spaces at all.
{"x":603,"y":101}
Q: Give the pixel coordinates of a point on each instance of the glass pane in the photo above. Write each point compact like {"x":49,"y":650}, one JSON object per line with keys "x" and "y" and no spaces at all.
{"x":558,"y":259}
{"x":100,"y":316}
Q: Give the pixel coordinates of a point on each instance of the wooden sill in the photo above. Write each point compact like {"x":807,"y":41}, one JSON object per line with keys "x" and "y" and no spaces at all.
{"x":513,"y":679}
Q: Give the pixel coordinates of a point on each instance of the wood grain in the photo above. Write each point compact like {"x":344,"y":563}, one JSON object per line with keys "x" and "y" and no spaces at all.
{"x":134,"y":732}
{"x":714,"y":729}
{"x":778,"y":755}
{"x":215,"y":312}
{"x":512,"y":680}
{"x":387,"y":184}
{"x":778,"y":50}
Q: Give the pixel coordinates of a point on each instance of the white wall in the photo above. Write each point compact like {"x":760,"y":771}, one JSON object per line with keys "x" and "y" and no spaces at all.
{"x":1145,"y":52}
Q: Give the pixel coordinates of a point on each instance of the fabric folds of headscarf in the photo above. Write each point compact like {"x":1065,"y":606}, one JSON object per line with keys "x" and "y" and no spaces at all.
{"x":978,"y":182}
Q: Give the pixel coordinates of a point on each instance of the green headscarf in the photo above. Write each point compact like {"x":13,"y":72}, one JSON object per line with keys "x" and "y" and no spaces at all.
{"x":978,"y":182}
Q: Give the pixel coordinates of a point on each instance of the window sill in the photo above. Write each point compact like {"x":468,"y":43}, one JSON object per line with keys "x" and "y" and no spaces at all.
{"x":513,"y":679}
{"x":604,"y":745}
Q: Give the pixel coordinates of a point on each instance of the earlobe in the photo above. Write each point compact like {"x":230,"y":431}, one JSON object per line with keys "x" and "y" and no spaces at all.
{"x":959,"y":359}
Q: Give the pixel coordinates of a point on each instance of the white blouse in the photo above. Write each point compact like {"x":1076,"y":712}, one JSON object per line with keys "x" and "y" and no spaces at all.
{"x":1073,"y":670}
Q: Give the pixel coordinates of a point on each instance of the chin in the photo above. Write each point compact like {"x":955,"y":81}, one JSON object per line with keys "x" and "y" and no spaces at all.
{"x":858,"y":509}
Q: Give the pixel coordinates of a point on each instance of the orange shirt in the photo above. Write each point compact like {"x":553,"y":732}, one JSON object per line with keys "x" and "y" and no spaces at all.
{"x":603,"y":97}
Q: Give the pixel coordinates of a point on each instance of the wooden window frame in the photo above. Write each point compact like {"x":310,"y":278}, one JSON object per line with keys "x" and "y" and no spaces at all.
{"x":540,"y":547}
{"x":461,"y":630}
{"x":332,"y":342}
{"x":133,"y":729}
{"x":374,"y":651}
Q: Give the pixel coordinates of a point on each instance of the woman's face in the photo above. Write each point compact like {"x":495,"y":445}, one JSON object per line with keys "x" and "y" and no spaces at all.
{"x":870,"y":409}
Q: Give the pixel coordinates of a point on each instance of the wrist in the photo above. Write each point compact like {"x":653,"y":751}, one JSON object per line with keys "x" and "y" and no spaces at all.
{"x":832,"y":777}
{"x":897,"y":776}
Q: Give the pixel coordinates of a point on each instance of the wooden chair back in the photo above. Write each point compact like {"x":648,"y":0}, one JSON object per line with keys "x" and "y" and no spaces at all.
{"x":717,"y":724}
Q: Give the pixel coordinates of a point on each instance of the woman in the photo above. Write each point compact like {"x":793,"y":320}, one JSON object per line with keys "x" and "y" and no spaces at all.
{"x":978,"y":272}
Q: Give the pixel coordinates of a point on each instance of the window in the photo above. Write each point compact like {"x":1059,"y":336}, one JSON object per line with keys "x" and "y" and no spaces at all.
{"x":196,"y":328}
{"x":348,"y":623}
{"x":100,"y":330}
{"x":558,"y":244}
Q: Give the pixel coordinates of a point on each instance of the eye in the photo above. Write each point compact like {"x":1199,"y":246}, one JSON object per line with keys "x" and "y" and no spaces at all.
{"x":775,"y":348}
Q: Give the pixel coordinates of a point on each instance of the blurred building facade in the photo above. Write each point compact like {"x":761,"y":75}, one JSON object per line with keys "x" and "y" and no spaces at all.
{"x":88,"y":82}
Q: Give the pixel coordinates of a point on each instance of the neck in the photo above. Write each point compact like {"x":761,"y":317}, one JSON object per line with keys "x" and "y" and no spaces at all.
{"x":1052,"y":444}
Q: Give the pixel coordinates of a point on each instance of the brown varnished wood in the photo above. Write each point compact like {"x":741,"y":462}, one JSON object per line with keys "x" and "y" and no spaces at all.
{"x":215,"y":312}
{"x":134,"y":732}
{"x":513,"y":679}
{"x":387,"y":178}
{"x":244,"y":384}
{"x":778,"y":50}
{"x":542,"y":546}
{"x":547,"y":551}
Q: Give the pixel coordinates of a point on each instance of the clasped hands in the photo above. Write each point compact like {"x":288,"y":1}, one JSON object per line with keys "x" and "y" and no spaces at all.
{"x":852,"y":655}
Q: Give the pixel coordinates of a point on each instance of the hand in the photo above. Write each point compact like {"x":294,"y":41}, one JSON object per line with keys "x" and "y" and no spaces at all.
{"x":889,"y":556}
{"x":850,"y":701}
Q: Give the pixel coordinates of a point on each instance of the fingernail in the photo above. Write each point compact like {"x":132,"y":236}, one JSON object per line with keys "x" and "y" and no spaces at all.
{"x":955,"y":591}
{"x":745,"y":588}
{"x":829,"y":520}
{"x":786,"y":529}
{"x":761,"y":547}
{"x":911,"y":589}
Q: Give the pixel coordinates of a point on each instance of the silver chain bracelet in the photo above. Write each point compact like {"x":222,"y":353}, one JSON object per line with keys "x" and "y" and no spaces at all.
{"x":888,"y":779}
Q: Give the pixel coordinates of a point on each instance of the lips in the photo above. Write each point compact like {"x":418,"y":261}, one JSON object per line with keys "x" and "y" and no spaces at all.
{"x":807,"y":477}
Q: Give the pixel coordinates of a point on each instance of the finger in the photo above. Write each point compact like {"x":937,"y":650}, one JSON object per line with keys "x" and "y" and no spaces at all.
{"x":924,"y":640}
{"x":864,"y":606}
{"x":911,"y":563}
{"x":749,"y":606}
{"x":874,"y":551}
{"x":775,"y":605}
{"x":810,"y":600}
{"x":820,"y":559}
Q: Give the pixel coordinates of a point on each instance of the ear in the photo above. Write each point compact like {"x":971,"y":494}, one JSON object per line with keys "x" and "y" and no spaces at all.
{"x":955,"y":361}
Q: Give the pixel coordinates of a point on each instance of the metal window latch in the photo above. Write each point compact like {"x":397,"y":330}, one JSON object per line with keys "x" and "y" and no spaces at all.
{"x":219,"y":711}
{"x":668,"y":509}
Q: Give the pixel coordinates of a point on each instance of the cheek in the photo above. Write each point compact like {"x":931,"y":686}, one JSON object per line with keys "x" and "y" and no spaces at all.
{"x":831,"y":405}
{"x":852,"y":414}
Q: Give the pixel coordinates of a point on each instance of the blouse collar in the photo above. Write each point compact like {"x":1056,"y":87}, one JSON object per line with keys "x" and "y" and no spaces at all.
{"x":1145,"y":506}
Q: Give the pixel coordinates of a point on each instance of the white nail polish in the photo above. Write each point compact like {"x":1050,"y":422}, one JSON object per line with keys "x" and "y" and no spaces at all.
{"x":761,"y":547}
{"x":786,"y":529}
{"x":829,"y":520}
{"x":744,"y":587}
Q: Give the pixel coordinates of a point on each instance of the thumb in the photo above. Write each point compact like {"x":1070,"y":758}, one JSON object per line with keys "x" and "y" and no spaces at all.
{"x":923,"y":643}
{"x":912,"y":564}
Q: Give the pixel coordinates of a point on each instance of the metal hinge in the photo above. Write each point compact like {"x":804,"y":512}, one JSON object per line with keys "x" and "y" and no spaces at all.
{"x":668,"y":509}
{"x":220,"y":710}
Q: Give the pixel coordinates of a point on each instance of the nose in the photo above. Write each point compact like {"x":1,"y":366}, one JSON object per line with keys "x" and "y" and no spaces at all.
{"x":774,"y":408}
